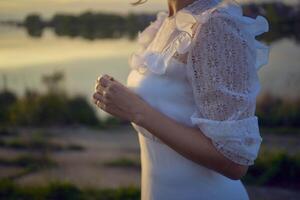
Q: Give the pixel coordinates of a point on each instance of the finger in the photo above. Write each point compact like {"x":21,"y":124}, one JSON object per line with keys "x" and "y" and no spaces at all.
{"x":95,"y":99}
{"x":97,"y":96}
{"x":105,"y":76}
{"x":105,"y":81}
{"x":101,"y":105}
{"x":98,"y":78}
{"x":108,"y":77}
{"x":99,"y":88}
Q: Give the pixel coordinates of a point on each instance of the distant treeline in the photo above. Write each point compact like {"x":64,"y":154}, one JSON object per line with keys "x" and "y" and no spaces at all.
{"x":55,"y":107}
{"x":89,"y":25}
{"x":284,"y":22}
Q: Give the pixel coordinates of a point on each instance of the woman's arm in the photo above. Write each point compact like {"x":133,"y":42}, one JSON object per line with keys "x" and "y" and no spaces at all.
{"x":116,"y":99}
{"x":188,"y":141}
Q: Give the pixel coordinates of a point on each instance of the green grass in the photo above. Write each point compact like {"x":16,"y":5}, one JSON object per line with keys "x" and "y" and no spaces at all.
{"x":64,"y":191}
{"x":18,"y":143}
{"x":5,"y":131}
{"x":275,"y":169}
{"x":123,"y":162}
{"x":281,"y":130}
{"x":29,"y":164}
{"x":74,"y":147}
{"x":28,"y":161}
{"x":38,"y":144}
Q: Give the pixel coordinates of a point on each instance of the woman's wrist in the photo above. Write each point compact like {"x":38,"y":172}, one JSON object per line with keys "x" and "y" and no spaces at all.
{"x":142,"y":114}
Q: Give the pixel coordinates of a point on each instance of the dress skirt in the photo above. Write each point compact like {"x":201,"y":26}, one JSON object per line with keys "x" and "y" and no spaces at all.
{"x":167,"y":175}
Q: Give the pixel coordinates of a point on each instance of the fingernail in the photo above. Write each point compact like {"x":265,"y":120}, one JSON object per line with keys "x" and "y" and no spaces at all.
{"x":106,"y":76}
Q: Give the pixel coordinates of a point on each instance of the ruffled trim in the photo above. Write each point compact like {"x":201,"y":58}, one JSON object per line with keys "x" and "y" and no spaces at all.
{"x":158,"y":62}
{"x":186,"y":19}
{"x":145,"y":37}
{"x":137,"y":59}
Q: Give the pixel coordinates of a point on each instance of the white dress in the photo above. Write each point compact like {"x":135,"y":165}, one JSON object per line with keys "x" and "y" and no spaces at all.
{"x":199,"y":67}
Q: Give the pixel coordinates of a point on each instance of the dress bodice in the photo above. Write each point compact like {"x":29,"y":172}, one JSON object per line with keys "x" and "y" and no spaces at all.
{"x":169,"y":93}
{"x":199,"y":67}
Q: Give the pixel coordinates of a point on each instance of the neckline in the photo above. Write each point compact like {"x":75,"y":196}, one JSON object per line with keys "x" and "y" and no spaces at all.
{"x":187,"y":7}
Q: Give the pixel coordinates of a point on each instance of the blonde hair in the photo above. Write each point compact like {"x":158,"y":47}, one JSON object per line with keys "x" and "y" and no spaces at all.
{"x":139,"y":2}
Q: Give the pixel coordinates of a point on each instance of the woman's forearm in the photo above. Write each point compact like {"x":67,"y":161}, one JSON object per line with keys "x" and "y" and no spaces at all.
{"x":189,"y":142}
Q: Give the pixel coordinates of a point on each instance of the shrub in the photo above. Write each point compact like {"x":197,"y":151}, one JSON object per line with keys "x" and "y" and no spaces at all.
{"x":64,"y":191}
{"x":275,"y":169}
{"x":52,"y":109}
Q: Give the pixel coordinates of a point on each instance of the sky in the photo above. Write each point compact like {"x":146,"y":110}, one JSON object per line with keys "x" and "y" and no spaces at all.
{"x":18,"y":9}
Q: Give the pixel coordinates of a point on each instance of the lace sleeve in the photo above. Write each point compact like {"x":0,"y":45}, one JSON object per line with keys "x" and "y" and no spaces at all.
{"x":225,"y":84}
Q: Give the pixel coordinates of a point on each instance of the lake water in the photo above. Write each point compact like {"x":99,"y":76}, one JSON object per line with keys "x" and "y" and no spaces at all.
{"x":23,"y":61}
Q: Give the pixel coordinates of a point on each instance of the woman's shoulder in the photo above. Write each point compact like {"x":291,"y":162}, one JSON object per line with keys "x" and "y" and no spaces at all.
{"x":225,"y":16}
{"x":226,"y":11}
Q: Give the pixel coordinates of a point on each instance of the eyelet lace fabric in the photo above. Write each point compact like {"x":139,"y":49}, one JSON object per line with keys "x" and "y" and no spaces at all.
{"x":222,"y":57}
{"x":222,"y":70}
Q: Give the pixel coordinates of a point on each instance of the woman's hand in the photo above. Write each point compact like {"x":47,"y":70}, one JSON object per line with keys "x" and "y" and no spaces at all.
{"x":118,"y":100}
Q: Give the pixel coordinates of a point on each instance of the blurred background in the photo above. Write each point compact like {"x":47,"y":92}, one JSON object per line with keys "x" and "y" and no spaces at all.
{"x":55,"y":144}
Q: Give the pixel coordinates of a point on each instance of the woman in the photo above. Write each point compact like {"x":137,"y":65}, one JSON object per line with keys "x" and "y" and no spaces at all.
{"x":191,"y":97}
